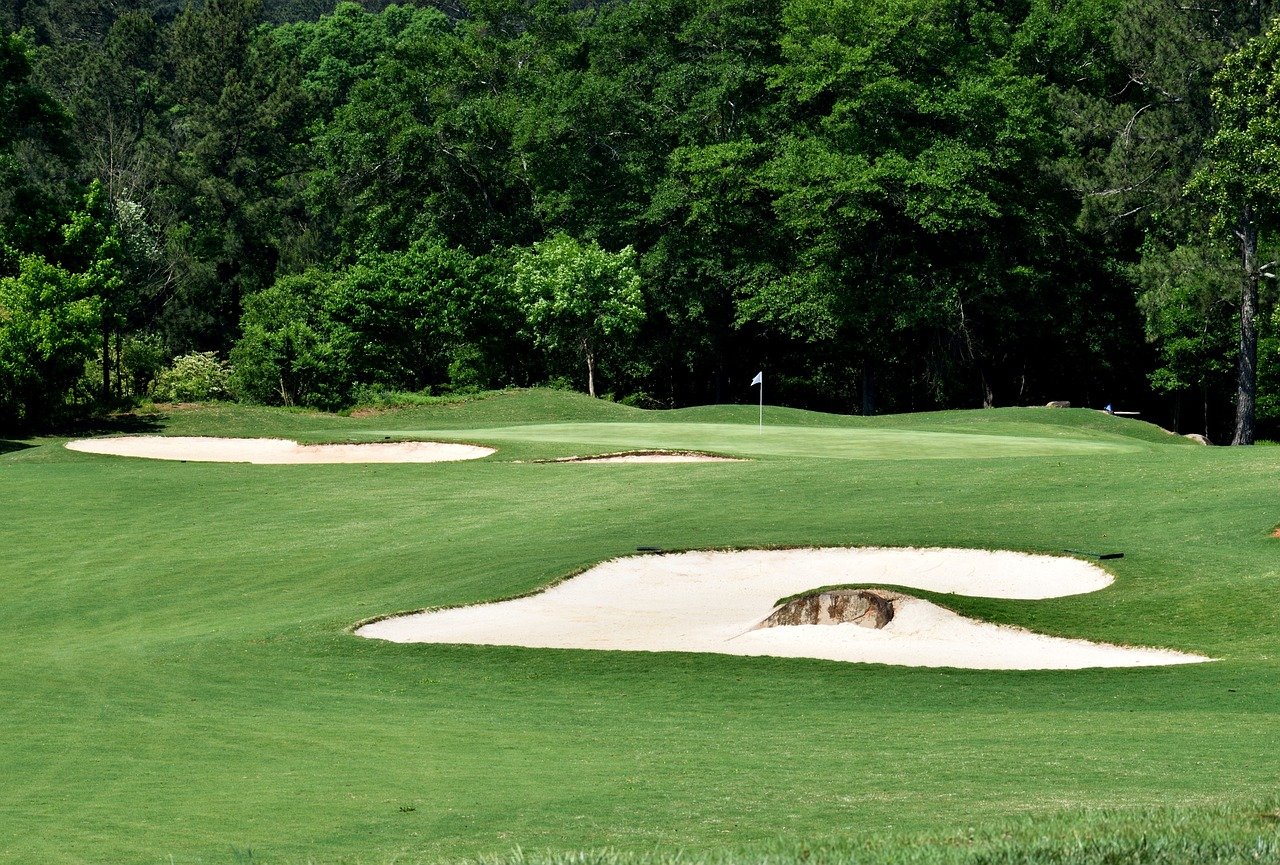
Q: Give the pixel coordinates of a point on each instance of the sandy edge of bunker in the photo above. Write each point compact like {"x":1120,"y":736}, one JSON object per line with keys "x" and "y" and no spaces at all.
{"x":714,"y":602}
{"x":275,"y":451}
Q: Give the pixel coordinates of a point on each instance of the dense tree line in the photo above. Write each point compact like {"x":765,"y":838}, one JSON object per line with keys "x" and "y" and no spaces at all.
{"x":886,"y":205}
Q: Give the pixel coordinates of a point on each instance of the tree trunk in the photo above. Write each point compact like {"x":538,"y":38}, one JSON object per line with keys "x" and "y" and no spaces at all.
{"x":1204,"y":396}
{"x":591,"y":368}
{"x":1247,"y":364}
{"x":106,"y":360}
{"x":868,"y":389}
{"x":119,"y":366}
{"x":285,"y":396}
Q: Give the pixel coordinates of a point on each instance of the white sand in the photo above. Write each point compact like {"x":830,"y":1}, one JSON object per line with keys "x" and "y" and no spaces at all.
{"x":205,"y":449}
{"x":714,"y":601}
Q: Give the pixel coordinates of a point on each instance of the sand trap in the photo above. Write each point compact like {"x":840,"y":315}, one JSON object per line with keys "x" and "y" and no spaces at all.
{"x":206,"y":449}
{"x":651,"y":457}
{"x":715,"y":602}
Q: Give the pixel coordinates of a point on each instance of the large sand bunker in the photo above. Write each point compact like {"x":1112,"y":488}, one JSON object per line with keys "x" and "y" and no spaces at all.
{"x":265,"y":451}
{"x":717,"y":601}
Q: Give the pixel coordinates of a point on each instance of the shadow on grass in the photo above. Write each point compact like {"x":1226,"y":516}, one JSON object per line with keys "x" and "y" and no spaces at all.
{"x":85,"y":427}
{"x":117,"y":423}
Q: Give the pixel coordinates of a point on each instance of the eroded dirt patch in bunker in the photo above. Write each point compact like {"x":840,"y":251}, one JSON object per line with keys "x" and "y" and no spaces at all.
{"x":869,"y":608}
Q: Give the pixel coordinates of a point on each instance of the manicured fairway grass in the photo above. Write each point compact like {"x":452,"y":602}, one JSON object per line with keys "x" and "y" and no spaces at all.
{"x":806,"y":442}
{"x":179,"y":682}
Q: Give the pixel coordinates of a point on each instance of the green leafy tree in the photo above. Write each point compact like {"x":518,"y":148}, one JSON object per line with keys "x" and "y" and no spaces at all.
{"x":1130,"y":80}
{"x":1137,"y":115}
{"x":92,"y":247}
{"x":719,"y":242}
{"x":288,"y":353}
{"x":426,"y":317}
{"x":43,"y":313}
{"x":579,"y":297}
{"x":339,"y":50}
{"x":405,"y":315}
{"x":911,"y":204}
{"x":907,"y":180}
{"x":233,"y":129}
{"x":1184,"y":295}
{"x":424,"y":144}
{"x":59,"y":23}
{"x":1241,"y":181}
{"x":34,"y":142}
{"x":113,"y":89}
{"x":49,"y":319}
{"x":696,"y":138}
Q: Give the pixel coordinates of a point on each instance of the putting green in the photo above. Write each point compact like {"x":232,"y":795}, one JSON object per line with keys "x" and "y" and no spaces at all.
{"x":785,"y":441}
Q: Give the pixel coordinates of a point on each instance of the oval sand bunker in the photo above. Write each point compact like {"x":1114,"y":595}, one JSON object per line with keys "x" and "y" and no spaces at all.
{"x":716,"y":601}
{"x":264,"y":451}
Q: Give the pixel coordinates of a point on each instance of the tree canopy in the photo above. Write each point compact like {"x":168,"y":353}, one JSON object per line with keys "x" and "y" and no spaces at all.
{"x":891,"y":206}
{"x":578,"y":297}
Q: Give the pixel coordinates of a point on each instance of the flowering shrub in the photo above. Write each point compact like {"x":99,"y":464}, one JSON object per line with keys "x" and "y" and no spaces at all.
{"x":193,"y":377}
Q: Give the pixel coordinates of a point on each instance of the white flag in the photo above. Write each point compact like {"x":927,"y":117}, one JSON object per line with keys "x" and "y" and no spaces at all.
{"x":759,"y":379}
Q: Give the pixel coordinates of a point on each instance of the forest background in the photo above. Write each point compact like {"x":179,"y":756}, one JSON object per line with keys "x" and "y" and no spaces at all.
{"x":888,"y":205}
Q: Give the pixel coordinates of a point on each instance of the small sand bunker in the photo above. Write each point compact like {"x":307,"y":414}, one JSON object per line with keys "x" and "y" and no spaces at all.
{"x":651,"y":457}
{"x":721,"y":602}
{"x":265,"y":451}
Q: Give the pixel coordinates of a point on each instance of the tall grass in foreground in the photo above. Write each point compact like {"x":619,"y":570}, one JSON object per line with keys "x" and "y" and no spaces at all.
{"x":1220,"y":835}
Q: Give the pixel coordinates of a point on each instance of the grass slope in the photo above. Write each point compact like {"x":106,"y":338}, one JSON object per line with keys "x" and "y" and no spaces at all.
{"x":180,"y":685}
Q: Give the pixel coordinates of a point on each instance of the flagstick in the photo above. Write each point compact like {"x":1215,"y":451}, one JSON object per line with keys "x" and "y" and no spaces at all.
{"x":762,"y":405}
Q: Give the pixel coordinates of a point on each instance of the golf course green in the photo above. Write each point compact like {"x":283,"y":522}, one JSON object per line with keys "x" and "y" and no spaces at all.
{"x":181,"y":682}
